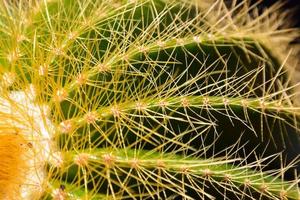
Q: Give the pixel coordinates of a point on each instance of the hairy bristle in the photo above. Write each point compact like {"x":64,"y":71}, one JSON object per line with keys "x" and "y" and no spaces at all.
{"x":150,"y":99}
{"x":13,"y":165}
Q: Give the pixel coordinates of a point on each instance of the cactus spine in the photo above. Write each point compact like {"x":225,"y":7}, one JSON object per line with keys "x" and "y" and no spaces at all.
{"x":147,"y":99}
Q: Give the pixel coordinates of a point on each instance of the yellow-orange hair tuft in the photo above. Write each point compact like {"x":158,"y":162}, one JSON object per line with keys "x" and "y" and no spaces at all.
{"x":13,"y":165}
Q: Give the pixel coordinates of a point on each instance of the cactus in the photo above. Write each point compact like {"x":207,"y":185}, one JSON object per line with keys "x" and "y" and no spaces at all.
{"x":147,"y":99}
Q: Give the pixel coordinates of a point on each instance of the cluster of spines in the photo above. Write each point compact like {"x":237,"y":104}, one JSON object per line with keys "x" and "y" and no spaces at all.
{"x":139,"y":164}
{"x":62,"y":86}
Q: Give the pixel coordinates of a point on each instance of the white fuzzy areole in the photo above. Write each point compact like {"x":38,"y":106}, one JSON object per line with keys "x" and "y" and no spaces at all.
{"x":34,"y":124}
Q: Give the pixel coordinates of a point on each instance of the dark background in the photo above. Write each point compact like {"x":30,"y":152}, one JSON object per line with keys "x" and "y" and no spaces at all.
{"x":293,"y":5}
{"x":288,"y":4}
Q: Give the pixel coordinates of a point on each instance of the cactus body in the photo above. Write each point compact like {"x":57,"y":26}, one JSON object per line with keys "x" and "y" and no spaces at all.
{"x":147,"y":99}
